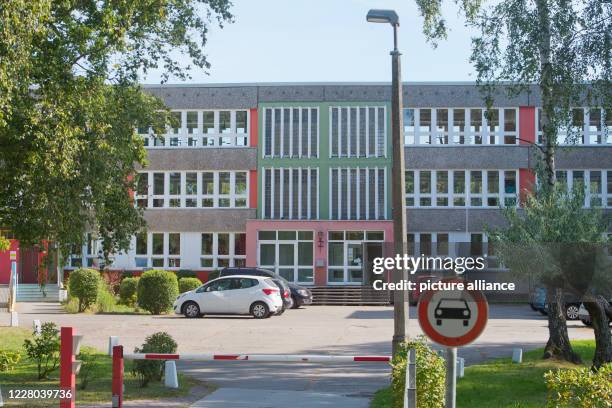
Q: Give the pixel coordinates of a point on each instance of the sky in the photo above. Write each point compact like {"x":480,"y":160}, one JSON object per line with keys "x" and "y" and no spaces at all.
{"x":328,"y":41}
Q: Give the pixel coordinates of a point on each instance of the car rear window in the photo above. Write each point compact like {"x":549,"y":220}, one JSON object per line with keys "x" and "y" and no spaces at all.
{"x":452,"y":304}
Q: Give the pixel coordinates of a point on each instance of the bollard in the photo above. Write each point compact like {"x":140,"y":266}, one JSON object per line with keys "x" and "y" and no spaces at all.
{"x":37,"y":327}
{"x":517,"y":355}
{"x":14,"y":319}
{"x":117,"y":382}
{"x":460,"y":367}
{"x":170,"y":377}
{"x":112,"y":342}
{"x":410,"y":386}
{"x":1,"y":400}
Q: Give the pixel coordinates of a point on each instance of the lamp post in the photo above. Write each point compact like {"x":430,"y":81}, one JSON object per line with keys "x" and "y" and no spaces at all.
{"x":400,"y":297}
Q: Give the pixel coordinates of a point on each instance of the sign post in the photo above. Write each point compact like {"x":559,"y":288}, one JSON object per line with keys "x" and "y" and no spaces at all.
{"x":453,"y":316}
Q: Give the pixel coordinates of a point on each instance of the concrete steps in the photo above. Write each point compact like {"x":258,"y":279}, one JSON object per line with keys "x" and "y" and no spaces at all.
{"x":31,"y":292}
{"x":349,"y":295}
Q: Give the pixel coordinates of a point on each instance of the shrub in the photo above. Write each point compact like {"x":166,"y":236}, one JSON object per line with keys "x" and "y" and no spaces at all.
{"x":88,"y":364}
{"x":8,"y":360}
{"x":71,"y":305}
{"x":152,"y":370}
{"x":44,"y":349}
{"x":187,"y":284}
{"x":580,"y":388}
{"x":430,"y":375}
{"x":157,"y":290}
{"x":128,"y":290}
{"x":186,"y":273}
{"x":105,"y":301}
{"x":83,"y":284}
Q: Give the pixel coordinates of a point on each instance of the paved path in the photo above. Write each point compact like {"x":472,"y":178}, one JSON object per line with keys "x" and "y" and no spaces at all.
{"x":320,"y":330}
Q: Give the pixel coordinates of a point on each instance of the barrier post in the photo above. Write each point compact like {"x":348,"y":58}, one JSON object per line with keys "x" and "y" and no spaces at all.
{"x":410,"y":392}
{"x":117,"y":377}
{"x":67,"y":376}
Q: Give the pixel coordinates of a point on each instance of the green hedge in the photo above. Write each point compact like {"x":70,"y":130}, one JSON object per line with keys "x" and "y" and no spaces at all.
{"x":430,"y":375}
{"x":83,"y":285}
{"x":157,"y":290}
{"x":187,"y":284}
{"x":579,"y":388}
{"x":128,"y":291}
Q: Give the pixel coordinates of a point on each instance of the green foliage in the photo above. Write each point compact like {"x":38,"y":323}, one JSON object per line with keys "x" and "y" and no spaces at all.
{"x":152,"y":370}
{"x":44,"y":349}
{"x":128,"y":291}
{"x":8,"y":360}
{"x":187,"y":284}
{"x":430,"y":375}
{"x":69,"y":104}
{"x":88,"y":366}
{"x":579,"y":388}
{"x":186,"y":273}
{"x":83,"y":284}
{"x":5,"y":244}
{"x":157,"y":291}
{"x":105,"y":302}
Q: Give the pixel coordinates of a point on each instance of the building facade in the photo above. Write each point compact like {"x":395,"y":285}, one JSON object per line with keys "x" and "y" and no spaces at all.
{"x":297,"y":177}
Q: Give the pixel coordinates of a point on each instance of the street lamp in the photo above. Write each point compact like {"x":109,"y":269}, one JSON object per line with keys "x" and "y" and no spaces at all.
{"x":400,"y":297}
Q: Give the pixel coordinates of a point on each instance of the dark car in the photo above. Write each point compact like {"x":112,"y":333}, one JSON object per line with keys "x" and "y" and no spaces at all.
{"x":456,"y":309}
{"x":571,"y":303}
{"x":299,"y":295}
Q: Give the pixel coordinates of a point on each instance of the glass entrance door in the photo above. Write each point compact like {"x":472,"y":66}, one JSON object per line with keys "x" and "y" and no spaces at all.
{"x":287,"y":253}
{"x":345,"y":262}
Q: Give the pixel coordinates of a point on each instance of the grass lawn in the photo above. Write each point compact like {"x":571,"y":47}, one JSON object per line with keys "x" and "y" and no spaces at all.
{"x":503,"y":384}
{"x":24,"y":376}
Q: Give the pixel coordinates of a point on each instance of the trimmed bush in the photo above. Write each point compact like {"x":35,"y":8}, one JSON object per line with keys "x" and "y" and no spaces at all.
{"x":187,"y":284}
{"x":580,"y":388}
{"x":83,"y":285}
{"x":430,"y":375}
{"x":157,"y":290}
{"x":153,"y":370}
{"x":128,"y":290}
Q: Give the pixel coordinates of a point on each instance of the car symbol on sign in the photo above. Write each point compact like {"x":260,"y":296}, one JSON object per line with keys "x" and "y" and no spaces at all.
{"x":455,"y":309}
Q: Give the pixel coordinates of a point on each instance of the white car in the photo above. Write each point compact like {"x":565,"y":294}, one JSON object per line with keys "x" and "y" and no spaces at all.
{"x":238,"y":294}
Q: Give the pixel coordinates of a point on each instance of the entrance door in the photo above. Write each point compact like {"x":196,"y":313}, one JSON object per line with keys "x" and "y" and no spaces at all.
{"x":372,"y":250}
{"x":28,"y":265}
{"x":345,"y":263}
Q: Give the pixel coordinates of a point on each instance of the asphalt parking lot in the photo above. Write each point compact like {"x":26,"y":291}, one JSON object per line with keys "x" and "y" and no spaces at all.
{"x":364,"y":330}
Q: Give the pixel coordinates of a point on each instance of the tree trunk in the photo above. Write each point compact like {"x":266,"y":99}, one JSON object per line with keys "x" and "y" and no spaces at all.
{"x":597,"y":308}
{"x":558,"y":345}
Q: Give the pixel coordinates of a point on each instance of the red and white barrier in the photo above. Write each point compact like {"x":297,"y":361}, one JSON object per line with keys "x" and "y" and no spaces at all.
{"x":119,"y":356}
{"x":268,"y":358}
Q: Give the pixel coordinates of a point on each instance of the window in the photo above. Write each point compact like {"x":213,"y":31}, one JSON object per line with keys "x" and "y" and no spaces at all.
{"x":444,"y":188}
{"x":222,"y":249}
{"x":458,"y":126}
{"x":288,"y":253}
{"x":358,"y":194}
{"x":291,"y":132}
{"x":290,"y":193}
{"x":193,"y":128}
{"x":358,"y":132}
{"x":219,"y":189}
{"x":142,"y":190}
{"x":157,"y":250}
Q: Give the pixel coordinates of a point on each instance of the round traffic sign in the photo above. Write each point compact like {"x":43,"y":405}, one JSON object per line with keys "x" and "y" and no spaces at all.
{"x":453,"y":317}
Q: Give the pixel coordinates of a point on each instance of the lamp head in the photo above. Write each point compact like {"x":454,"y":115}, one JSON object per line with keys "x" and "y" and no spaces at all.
{"x":383,"y":16}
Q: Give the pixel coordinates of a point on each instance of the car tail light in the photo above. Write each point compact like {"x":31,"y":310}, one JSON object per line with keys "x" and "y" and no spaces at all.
{"x":286,"y":294}
{"x":269,"y":291}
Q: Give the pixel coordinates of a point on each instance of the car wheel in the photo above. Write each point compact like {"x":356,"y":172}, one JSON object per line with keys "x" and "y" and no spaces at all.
{"x":532,"y":306}
{"x":586,"y":322}
{"x":260,"y":310}
{"x":295,"y":305}
{"x":191,"y":310}
{"x":543,"y":312}
{"x":281,"y":311}
{"x":465,"y":322}
{"x":571,"y":312}
{"x":438,"y":322}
